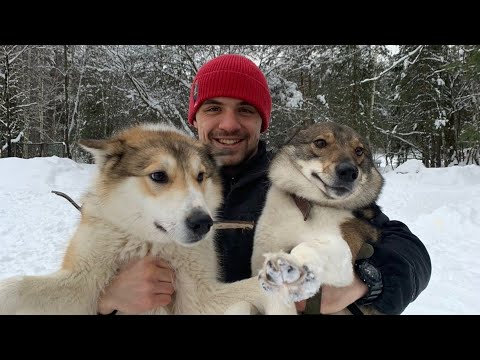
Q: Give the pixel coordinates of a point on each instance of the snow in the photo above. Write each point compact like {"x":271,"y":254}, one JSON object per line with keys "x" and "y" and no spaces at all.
{"x":441,"y":206}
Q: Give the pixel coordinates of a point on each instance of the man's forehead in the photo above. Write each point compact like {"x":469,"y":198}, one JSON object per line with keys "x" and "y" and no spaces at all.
{"x":225,"y":101}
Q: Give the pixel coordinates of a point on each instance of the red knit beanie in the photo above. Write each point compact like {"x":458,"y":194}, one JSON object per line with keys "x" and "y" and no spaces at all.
{"x":232,"y":76}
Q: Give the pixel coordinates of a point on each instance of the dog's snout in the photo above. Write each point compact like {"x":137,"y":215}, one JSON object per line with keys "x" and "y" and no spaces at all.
{"x":199,"y":222}
{"x":347,"y":172}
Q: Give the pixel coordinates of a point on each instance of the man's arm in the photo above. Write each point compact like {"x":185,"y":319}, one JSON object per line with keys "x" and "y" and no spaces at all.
{"x":404,"y":263}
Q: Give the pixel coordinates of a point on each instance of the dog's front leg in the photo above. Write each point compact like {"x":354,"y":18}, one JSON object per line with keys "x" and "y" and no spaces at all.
{"x":242,"y":308}
{"x":59,"y":293}
{"x":299,"y":275}
{"x":246,"y":297}
{"x":243,"y":297}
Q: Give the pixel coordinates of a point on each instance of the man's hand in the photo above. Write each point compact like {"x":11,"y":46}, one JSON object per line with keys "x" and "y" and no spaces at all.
{"x":335,"y":299}
{"x":140,"y":286}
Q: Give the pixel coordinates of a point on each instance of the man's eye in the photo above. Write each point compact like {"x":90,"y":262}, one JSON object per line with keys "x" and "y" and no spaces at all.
{"x":247,"y":110}
{"x":159,"y":177}
{"x":213,"y":109}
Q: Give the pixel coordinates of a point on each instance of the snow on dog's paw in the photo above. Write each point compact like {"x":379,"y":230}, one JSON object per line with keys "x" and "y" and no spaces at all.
{"x":282,"y":273}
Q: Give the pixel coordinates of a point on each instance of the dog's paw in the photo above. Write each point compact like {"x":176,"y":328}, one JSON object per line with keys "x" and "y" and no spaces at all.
{"x":283,"y":274}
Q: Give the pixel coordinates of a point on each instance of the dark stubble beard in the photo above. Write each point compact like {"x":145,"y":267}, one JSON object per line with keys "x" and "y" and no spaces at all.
{"x":233,"y":170}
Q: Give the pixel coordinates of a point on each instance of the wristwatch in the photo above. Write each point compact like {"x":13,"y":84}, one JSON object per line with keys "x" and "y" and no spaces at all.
{"x":372,"y":277}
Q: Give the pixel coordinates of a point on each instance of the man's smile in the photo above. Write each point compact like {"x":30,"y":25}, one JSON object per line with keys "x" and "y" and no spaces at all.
{"x":227,"y":142}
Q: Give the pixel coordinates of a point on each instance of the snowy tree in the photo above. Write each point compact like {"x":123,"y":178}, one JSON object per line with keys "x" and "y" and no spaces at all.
{"x":13,"y":97}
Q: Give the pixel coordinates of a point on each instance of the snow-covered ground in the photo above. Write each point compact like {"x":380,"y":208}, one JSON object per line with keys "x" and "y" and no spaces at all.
{"x":440,"y":206}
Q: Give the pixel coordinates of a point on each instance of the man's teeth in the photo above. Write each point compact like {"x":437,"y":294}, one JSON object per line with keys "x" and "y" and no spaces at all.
{"x":228,"y":141}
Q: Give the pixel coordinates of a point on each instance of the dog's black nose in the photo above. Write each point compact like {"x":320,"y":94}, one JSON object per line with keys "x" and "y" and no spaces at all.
{"x":346,"y":172}
{"x":199,"y":222}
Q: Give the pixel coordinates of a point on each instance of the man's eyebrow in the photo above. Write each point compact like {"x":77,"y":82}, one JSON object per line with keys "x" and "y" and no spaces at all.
{"x":215,"y":102}
{"x":212,"y":102}
{"x":243,"y":103}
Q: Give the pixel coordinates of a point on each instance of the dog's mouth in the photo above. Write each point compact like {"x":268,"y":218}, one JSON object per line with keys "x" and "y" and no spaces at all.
{"x":196,"y":227}
{"x":159,"y":227}
{"x":334,"y":191}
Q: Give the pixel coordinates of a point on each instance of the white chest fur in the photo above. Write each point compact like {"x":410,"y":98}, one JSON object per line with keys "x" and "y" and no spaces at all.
{"x":282,"y":227}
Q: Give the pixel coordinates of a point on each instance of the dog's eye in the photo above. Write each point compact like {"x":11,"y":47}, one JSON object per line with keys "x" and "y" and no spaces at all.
{"x":320,"y":143}
{"x":359,"y":151}
{"x":200,"y":177}
{"x":159,"y":176}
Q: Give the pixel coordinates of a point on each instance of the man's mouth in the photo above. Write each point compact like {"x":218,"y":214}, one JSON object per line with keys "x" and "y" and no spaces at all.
{"x":228,"y":142}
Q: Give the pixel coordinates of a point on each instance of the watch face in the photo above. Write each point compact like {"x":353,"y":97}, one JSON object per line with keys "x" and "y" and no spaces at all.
{"x":370,"y":272}
{"x":372,"y":277}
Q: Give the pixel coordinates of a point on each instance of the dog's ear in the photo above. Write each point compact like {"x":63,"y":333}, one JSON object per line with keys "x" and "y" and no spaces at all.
{"x":101,"y":149}
{"x":293,"y":133}
{"x":95,"y":147}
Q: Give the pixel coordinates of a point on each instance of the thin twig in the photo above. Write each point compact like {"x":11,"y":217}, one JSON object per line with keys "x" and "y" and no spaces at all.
{"x":79,"y":208}
{"x":219,"y":225}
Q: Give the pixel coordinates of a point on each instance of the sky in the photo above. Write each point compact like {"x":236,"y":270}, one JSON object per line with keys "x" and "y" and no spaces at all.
{"x":440,"y":206}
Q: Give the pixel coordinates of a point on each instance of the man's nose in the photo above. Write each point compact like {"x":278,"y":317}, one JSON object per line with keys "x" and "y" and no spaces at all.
{"x":229,"y":121}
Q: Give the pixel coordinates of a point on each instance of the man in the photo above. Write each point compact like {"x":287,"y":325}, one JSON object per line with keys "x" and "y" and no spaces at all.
{"x":230,"y":107}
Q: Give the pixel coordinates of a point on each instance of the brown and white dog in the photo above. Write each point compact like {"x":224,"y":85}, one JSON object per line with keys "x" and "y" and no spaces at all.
{"x":156,"y":192}
{"x":324,"y":188}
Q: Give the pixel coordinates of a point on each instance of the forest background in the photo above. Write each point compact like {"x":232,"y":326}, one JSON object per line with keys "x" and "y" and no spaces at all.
{"x":417,"y":101}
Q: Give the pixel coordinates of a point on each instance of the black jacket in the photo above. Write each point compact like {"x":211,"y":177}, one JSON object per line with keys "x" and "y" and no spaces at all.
{"x":400,"y":256}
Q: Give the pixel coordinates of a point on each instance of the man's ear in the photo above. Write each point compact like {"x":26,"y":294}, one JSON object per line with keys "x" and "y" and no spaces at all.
{"x":195,"y":124}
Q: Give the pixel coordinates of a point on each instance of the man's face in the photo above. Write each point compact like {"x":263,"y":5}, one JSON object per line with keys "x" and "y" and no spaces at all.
{"x":229,"y":124}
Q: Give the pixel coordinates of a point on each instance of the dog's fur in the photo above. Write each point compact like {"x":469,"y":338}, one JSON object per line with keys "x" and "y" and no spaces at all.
{"x":331,"y":167}
{"x":156,"y":192}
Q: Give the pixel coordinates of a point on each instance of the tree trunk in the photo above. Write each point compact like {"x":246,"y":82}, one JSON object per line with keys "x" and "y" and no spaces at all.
{"x":40,"y":109}
{"x":450,"y":145}
{"x":6,"y":99}
{"x":66,"y":139}
{"x":372,"y":73}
